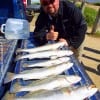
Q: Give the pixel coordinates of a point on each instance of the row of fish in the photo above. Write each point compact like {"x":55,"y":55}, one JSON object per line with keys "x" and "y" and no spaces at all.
{"x":51,"y":67}
{"x":51,"y":85}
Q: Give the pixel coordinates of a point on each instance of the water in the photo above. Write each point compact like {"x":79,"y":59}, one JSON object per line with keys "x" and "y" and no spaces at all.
{"x":93,"y":1}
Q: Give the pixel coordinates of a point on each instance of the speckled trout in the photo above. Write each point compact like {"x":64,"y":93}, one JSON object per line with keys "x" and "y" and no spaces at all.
{"x":53,"y":46}
{"x":48,"y":63}
{"x":79,"y":93}
{"x":46,"y":54}
{"x":38,"y":73}
{"x":49,"y":83}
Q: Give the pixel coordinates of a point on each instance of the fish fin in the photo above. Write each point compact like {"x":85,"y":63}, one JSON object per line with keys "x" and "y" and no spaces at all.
{"x":9,"y":77}
{"x":16,"y":87}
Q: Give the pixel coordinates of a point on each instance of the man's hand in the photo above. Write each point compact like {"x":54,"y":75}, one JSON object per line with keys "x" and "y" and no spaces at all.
{"x":63,"y":40}
{"x":52,"y":35}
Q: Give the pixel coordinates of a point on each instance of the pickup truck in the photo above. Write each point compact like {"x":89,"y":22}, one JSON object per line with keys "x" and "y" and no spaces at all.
{"x":16,"y":9}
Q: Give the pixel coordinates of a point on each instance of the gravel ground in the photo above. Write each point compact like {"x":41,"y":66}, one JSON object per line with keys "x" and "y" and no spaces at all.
{"x":91,"y":58}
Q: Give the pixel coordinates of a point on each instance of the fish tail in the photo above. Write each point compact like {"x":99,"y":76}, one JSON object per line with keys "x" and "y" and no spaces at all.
{"x":9,"y":77}
{"x":16,"y":87}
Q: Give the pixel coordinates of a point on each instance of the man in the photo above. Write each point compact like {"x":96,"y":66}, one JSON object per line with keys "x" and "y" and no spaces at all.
{"x":60,"y":20}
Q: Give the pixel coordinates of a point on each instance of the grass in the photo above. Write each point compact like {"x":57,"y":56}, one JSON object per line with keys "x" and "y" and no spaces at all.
{"x":97,"y":34}
{"x":90,"y":15}
{"x":97,"y":4}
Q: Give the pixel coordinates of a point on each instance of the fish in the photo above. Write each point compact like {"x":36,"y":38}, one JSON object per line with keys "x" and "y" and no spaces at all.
{"x":50,"y":83}
{"x":53,"y":46}
{"x":38,"y":73}
{"x":79,"y":93}
{"x":46,"y":54}
{"x":48,"y":63}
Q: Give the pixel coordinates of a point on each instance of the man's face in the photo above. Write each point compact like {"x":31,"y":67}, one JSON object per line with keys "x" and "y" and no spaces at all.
{"x":50,"y":6}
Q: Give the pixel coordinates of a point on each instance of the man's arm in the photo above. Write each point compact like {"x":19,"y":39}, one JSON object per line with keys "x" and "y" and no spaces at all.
{"x":80,"y":28}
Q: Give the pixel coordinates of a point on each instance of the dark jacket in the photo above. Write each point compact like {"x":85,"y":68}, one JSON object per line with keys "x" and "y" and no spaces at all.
{"x":69,"y":22}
